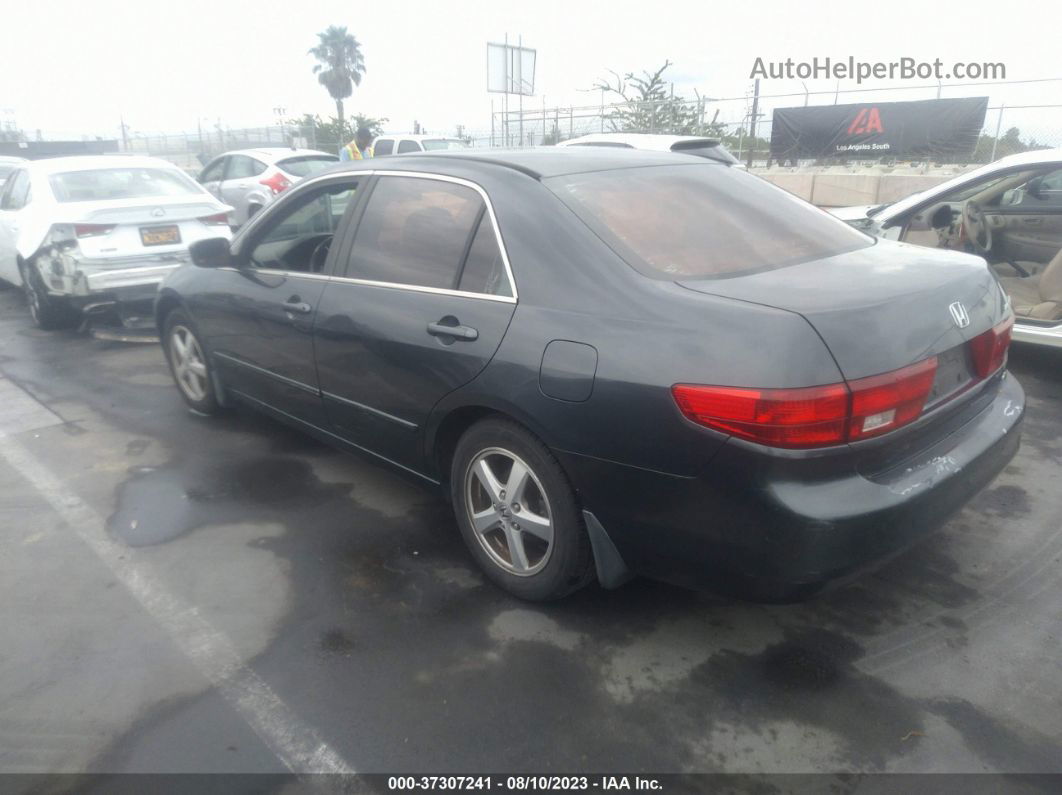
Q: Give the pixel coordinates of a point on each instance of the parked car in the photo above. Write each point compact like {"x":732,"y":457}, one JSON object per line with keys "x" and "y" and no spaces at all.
{"x":618,"y":363}
{"x":248,"y":179}
{"x":407,"y":144}
{"x":1010,"y":213}
{"x":7,"y":165}
{"x":687,"y":144}
{"x":99,"y":231}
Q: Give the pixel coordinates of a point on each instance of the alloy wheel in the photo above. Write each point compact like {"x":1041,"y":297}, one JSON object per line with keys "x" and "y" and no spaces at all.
{"x":509,"y":511}
{"x":189,"y":364}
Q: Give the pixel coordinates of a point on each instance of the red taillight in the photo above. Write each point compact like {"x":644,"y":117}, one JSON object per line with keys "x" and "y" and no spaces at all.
{"x":811,"y":417}
{"x":277,"y":183}
{"x":92,"y":230}
{"x":881,"y":403}
{"x":817,"y":416}
{"x":221,"y":219}
{"x":989,"y":350}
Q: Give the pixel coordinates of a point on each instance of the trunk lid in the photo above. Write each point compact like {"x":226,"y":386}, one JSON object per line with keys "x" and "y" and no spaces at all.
{"x":144,"y":210}
{"x":882,"y":307}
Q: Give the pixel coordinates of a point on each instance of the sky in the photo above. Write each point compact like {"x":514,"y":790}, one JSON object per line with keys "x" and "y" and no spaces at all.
{"x":71,"y":68}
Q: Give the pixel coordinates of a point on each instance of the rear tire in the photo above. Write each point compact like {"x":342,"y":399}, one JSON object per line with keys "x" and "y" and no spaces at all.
{"x":189,"y":364}
{"x":47,"y":312}
{"x":517,"y":512}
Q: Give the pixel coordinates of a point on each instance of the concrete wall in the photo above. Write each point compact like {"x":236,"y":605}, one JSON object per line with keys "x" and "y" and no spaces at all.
{"x":828,"y":189}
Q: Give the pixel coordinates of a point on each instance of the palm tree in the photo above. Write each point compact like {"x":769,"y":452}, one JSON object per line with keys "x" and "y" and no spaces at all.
{"x":341,"y":65}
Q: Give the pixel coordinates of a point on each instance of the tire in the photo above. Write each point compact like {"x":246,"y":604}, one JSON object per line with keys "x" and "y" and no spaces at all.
{"x":511,"y":543}
{"x":46,"y":311}
{"x":190,"y":366}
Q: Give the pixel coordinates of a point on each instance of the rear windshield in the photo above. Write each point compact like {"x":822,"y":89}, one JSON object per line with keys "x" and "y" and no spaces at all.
{"x":120,"y":183}
{"x":697,"y":221}
{"x":307,"y":164}
{"x":435,"y":144}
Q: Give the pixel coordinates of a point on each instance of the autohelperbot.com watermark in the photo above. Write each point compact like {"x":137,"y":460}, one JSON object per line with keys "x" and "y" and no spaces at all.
{"x":852,"y":69}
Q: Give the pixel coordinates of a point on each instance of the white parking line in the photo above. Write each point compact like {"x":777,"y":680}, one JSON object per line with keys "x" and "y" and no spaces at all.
{"x":298,"y":745}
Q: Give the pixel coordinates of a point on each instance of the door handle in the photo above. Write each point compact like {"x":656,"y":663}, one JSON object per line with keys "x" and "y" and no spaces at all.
{"x":1032,"y":221}
{"x":298,"y":307}
{"x":466,"y":333}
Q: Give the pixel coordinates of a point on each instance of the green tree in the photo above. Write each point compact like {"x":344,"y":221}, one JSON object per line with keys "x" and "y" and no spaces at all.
{"x":331,"y":133}
{"x":649,"y":104}
{"x":340,"y":65}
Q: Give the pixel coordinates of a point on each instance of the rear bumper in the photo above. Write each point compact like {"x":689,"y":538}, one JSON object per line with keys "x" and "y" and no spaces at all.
{"x":777,"y":529}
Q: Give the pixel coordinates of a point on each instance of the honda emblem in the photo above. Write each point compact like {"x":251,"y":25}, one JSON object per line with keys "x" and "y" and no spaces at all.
{"x":959,"y":314}
{"x":158,"y":212}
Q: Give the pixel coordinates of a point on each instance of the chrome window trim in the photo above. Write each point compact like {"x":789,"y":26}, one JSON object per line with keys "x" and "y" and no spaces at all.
{"x":310,"y":182}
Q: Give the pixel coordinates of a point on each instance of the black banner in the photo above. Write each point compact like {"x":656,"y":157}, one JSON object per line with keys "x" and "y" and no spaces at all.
{"x":934,"y":128}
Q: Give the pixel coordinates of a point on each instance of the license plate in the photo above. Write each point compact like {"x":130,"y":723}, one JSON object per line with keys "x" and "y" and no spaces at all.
{"x":159,"y":235}
{"x":953,"y":373}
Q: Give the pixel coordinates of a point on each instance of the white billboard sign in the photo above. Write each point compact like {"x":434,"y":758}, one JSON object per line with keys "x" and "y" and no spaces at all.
{"x":510,"y":69}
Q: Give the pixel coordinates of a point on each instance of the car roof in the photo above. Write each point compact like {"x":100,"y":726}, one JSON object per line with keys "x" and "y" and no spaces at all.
{"x":654,"y":141}
{"x":55,"y":165}
{"x":419,"y":137}
{"x":274,"y":153}
{"x":536,"y":163}
{"x":12,"y":161}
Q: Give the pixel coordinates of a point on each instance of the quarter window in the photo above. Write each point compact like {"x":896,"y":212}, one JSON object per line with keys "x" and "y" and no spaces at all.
{"x":415,"y":231}
{"x":299,"y":239}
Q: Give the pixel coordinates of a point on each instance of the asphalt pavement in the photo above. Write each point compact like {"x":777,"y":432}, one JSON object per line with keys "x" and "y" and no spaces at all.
{"x":190,"y":594}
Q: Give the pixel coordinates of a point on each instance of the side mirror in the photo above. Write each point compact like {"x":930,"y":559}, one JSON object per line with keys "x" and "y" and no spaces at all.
{"x":211,"y":253}
{"x":1035,"y":187}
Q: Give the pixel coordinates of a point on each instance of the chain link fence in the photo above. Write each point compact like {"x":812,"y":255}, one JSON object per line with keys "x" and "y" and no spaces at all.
{"x":743,"y":124}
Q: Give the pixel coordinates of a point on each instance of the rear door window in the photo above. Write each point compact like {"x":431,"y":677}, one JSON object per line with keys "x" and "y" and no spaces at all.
{"x":702,"y":220}
{"x":415,"y":231}
{"x":384,"y":146}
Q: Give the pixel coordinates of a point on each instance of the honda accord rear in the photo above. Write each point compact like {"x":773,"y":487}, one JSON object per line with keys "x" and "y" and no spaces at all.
{"x":846,"y":395}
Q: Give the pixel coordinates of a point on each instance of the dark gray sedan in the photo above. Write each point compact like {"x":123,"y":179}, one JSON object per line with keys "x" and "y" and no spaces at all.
{"x":614,"y":363}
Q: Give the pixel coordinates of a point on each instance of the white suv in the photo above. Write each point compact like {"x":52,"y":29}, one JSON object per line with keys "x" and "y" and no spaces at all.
{"x":404,"y":144}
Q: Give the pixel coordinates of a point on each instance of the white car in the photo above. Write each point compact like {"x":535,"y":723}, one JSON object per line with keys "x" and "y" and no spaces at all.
{"x":7,"y":165}
{"x":405,"y":144}
{"x":1009,"y":212}
{"x":95,"y":232}
{"x":686,"y":144}
{"x":248,"y":179}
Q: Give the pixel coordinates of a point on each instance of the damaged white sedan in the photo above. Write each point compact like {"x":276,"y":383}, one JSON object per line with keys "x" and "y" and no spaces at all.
{"x":93,"y":236}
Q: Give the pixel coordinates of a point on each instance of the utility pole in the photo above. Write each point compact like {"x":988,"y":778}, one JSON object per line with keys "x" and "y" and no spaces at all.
{"x":752,"y":121}
{"x":520,"y":50}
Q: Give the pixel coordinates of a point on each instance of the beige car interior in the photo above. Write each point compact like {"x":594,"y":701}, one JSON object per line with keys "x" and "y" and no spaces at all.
{"x":1024,"y":248}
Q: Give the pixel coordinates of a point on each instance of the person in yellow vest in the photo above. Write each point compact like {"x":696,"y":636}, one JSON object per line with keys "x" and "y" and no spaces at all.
{"x":359,"y":148}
